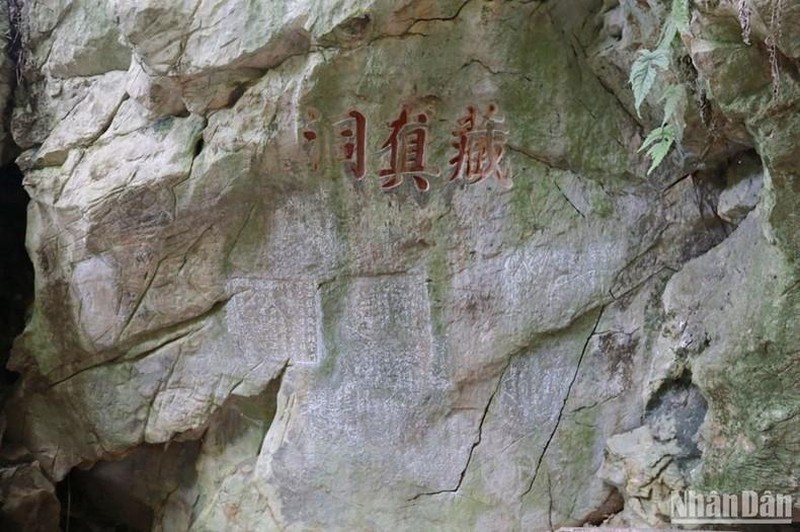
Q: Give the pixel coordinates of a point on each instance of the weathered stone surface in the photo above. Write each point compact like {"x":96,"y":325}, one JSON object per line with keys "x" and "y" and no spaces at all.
{"x":642,"y":466}
{"x":84,"y":42}
{"x":85,"y":122}
{"x":66,"y":45}
{"x":745,"y":179}
{"x":29,"y":503}
{"x":8,"y":73}
{"x":560,"y":352}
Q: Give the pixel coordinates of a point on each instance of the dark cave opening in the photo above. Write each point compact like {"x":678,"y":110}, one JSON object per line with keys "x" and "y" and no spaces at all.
{"x":126,"y":493}
{"x":100,"y":505}
{"x":677,"y":411}
{"x":16,"y":271}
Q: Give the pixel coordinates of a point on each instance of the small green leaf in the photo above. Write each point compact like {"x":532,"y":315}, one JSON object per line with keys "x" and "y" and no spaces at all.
{"x":658,"y":144}
{"x":654,"y":136}
{"x":644,"y":72}
{"x":668,"y":34}
{"x":673,"y":97}
{"x":657,"y":153}
{"x":681,"y":15}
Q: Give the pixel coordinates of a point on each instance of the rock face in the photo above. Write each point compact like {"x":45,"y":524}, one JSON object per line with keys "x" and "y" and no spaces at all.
{"x":378,"y":265}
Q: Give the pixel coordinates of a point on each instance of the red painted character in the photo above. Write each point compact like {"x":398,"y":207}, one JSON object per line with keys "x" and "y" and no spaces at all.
{"x":406,"y":153}
{"x":311,"y":136}
{"x":354,"y":132}
{"x":480,"y":150}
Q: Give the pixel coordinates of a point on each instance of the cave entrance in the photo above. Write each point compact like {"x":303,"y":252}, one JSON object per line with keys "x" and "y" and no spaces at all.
{"x":16,"y":271}
{"x":127,"y":493}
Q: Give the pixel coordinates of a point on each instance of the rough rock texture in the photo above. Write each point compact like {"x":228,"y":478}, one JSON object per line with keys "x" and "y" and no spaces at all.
{"x":302,"y":350}
{"x":29,"y":503}
{"x":9,"y":12}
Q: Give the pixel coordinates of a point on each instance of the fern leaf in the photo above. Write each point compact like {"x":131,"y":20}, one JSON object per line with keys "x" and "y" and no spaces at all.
{"x":681,"y":15}
{"x":658,"y":144}
{"x":644,"y":72}
{"x":657,"y":152}
{"x":673,"y":97}
{"x":668,"y":33}
{"x":652,"y":137}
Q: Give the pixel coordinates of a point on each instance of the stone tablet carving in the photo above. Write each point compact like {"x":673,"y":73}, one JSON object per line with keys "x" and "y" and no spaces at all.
{"x":274,"y":319}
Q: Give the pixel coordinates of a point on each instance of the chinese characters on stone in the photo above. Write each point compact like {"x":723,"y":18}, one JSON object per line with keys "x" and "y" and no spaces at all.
{"x":477,"y":139}
{"x":353,"y":130}
{"x":481,"y":148}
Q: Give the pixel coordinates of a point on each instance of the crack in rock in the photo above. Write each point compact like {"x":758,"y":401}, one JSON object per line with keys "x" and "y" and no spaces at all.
{"x":563,"y":404}
{"x":478,"y":438}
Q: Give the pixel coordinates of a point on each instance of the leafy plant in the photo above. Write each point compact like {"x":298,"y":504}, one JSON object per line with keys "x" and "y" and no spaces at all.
{"x":644,"y":72}
{"x":673,"y":97}
{"x":681,"y":15}
{"x":658,"y":143}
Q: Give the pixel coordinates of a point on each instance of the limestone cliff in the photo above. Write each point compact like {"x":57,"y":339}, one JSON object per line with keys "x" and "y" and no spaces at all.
{"x":399,"y":265}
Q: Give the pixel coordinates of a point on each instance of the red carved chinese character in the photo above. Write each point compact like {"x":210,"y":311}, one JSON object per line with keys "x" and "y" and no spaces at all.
{"x":480,"y":150}
{"x":311,"y":136}
{"x":406,"y":153}
{"x":354,"y":131}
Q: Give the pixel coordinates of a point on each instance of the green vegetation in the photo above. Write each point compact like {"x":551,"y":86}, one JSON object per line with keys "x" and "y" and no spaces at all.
{"x":650,"y":64}
{"x":644,"y":73}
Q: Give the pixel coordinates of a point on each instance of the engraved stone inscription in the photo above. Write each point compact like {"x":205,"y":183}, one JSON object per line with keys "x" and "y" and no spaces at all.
{"x":273,"y":319}
{"x":477,"y":137}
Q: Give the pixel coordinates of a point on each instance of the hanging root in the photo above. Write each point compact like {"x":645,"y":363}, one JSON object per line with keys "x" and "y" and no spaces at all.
{"x":14,"y":44}
{"x":772,"y":46}
{"x":743,"y":11}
